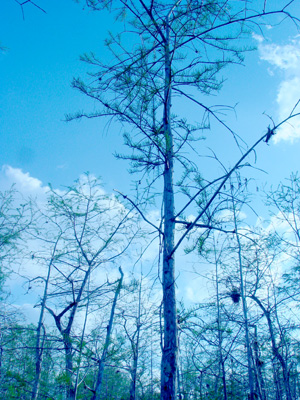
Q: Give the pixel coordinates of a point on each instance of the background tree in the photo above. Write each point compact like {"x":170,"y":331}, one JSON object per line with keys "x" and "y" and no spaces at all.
{"x":15,"y":218}
{"x":139,"y":320}
{"x":84,"y":232}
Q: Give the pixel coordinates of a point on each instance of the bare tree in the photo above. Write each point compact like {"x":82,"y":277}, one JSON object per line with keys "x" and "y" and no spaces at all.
{"x":85,"y":232}
{"x":137,"y":317}
{"x":40,"y":330}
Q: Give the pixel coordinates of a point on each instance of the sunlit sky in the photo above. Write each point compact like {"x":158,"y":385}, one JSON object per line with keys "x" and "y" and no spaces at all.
{"x":41,"y":57}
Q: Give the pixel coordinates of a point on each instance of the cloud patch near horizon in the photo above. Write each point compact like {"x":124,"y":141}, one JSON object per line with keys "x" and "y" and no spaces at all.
{"x":23,"y":182}
{"x":286,"y":58}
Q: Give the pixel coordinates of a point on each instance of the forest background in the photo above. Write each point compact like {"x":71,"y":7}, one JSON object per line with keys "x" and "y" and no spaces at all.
{"x":38,"y":61}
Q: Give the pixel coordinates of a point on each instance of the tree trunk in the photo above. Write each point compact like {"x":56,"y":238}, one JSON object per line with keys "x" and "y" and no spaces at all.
{"x":38,"y":358}
{"x":220,"y":336}
{"x":133,"y":376}
{"x":66,"y":337}
{"x":170,"y":345}
{"x":70,"y":389}
{"x":1,"y":354}
{"x":258,"y":369}
{"x":135,"y":349}
{"x":101,"y":361}
{"x":39,"y":347}
{"x":275,"y":350}
{"x":245,"y":309}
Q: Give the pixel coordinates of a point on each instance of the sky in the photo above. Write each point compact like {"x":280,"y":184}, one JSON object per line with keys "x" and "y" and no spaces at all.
{"x":41,"y":57}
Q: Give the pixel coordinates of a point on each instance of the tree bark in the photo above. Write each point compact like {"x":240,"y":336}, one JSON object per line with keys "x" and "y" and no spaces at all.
{"x":170,"y":341}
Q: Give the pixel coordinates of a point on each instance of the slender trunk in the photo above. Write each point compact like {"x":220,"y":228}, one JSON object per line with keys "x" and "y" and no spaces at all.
{"x":258,"y":368}
{"x":275,"y":350}
{"x":132,"y":395}
{"x":178,"y":383}
{"x":180,"y":386}
{"x":39,"y":347}
{"x":101,"y":361}
{"x":81,"y":342}
{"x":170,"y":346}
{"x":276,"y":379}
{"x":200,"y":385}
{"x":220,"y":336}
{"x":1,"y":354}
{"x":151,"y":364}
{"x":70,"y":388}
{"x":135,"y":349}
{"x":245,"y":309}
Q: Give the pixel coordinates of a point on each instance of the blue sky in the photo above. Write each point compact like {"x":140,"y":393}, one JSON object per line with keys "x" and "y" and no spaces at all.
{"x":42,"y":57}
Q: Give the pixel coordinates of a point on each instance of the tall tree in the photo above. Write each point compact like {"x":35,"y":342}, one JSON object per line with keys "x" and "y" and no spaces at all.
{"x":170,"y":50}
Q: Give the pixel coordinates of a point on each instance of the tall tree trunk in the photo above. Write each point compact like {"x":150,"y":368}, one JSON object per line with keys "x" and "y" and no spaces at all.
{"x":170,"y":345}
{"x":101,"y":361}
{"x":245,"y":309}
{"x":258,"y":368}
{"x":70,"y":388}
{"x":220,"y":336}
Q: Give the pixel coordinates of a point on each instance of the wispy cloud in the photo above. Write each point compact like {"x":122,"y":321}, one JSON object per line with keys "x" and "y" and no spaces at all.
{"x":287,"y":59}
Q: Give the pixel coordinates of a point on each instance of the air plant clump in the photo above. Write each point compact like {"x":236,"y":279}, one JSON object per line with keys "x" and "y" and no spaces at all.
{"x":235,"y":295}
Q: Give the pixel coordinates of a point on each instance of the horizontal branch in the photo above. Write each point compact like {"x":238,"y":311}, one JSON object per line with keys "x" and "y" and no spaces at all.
{"x":204,"y":226}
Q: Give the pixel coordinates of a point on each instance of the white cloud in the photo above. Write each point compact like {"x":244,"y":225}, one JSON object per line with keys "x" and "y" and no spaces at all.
{"x":22,"y":180}
{"x":287,"y":97}
{"x":287,"y":59}
{"x":257,"y":37}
